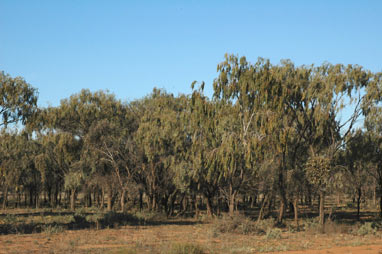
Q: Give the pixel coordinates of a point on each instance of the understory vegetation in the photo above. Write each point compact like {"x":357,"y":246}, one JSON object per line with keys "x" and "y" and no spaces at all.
{"x":273,"y":143}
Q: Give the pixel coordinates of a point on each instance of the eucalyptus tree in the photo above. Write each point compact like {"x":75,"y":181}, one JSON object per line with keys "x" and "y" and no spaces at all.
{"x":58,"y":165}
{"x":356,"y":158}
{"x":17,"y":168}
{"x":161,"y":136}
{"x":110,"y":146}
{"x":18,"y":100}
{"x":71,"y":122}
{"x":293,"y":109}
{"x":9,"y":175}
{"x":373,"y":128}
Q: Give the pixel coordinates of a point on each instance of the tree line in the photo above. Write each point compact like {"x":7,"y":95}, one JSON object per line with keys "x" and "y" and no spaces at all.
{"x":271,"y":137}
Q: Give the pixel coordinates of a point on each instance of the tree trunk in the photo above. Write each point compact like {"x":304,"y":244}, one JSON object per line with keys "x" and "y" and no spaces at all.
{"x":72,"y":199}
{"x":322,"y":210}
{"x":380,"y":204}
{"x":359,"y":192}
{"x":263,"y":205}
{"x":109,"y":199}
{"x":123,"y":193}
{"x":37,"y":199}
{"x":281,"y":211}
{"x":154,"y":203}
{"x":5,"y":196}
{"x":196,"y":201}
{"x":209,"y":206}
{"x":295,"y":206}
{"x":140,"y":200}
{"x":375,"y":196}
{"x":231,"y":198}
{"x":283,"y":199}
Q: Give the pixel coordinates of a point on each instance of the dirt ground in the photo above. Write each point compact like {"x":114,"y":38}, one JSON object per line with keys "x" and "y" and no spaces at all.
{"x":161,"y":238}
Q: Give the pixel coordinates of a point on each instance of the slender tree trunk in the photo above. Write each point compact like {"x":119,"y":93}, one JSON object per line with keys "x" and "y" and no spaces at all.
{"x":283,"y":199}
{"x":123,"y":193}
{"x":380,"y":191}
{"x":231,"y":205}
{"x":31,"y":197}
{"x":359,"y":192}
{"x":322,"y":210}
{"x":72,"y":199}
{"x":209,"y":205}
{"x":196,"y":204}
{"x":37,"y":201}
{"x":263,"y":205}
{"x":281,"y":211}
{"x":102,"y":203}
{"x":154,"y":203}
{"x":253,"y":202}
{"x":295,"y":206}
{"x":5,"y":196}
{"x":140,"y":200}
{"x":109,"y":198}
{"x":375,"y":196}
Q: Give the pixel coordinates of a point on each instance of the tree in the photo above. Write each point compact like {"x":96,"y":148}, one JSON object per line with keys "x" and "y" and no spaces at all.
{"x":161,"y":136}
{"x":71,"y":122}
{"x":293,"y":109}
{"x":18,"y":100}
{"x":356,"y":159}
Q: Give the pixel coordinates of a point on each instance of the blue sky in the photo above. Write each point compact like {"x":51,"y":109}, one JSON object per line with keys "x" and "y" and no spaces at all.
{"x":129,"y":47}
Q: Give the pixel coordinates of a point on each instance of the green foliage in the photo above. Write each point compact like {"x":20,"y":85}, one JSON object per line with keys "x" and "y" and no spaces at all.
{"x":273,"y":233}
{"x":318,"y":170}
{"x":52,"y":229}
{"x":269,"y":130}
{"x":18,"y":100}
{"x":367,"y":229}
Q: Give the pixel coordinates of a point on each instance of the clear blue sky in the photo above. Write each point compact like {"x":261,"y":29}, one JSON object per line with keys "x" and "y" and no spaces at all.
{"x":129,"y":47}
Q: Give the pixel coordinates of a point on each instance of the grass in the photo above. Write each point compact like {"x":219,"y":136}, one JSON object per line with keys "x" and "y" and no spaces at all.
{"x":65,"y":232}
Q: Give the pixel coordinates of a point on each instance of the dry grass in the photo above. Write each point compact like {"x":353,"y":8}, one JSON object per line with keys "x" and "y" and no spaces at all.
{"x":225,"y":235}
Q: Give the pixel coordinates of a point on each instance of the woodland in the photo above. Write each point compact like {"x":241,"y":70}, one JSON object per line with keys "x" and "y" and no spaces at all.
{"x":273,"y":138}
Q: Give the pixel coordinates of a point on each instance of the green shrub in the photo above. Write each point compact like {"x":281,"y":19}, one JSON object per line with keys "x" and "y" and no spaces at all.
{"x":263,"y":226}
{"x":236,"y":224}
{"x":367,"y":229}
{"x":311,"y":225}
{"x":273,"y":233}
{"x":184,"y":248}
{"x":10,"y":219}
{"x":52,"y":229}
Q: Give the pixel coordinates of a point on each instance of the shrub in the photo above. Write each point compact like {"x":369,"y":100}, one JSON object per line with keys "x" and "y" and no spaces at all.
{"x":236,"y":224}
{"x":312,"y":225}
{"x":273,"y":233}
{"x":367,"y":229}
{"x":185,"y":248}
{"x":263,"y":226}
{"x":52,"y":229}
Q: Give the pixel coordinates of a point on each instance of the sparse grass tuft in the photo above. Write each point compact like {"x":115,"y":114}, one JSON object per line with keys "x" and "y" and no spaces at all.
{"x":184,"y":248}
{"x":273,"y":233}
{"x":52,"y":229}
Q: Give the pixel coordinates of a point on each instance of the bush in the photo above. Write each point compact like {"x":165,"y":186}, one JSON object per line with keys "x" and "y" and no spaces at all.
{"x":273,"y":233}
{"x":185,"y":248}
{"x":367,"y":229}
{"x":312,"y":225}
{"x":52,"y":229}
{"x":145,"y":217}
{"x":236,"y":224}
{"x":263,"y":226}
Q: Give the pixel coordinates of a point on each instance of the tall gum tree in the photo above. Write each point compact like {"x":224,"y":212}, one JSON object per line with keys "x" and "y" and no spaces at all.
{"x":292,"y":108}
{"x":73,"y":119}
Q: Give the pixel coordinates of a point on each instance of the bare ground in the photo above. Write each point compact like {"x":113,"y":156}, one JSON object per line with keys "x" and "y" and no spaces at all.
{"x":160,"y":239}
